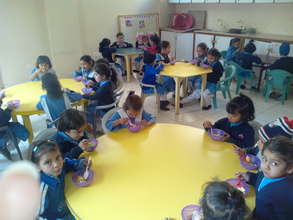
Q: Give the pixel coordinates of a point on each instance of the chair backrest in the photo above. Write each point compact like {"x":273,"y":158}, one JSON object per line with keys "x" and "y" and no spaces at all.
{"x":117,"y":97}
{"x":237,"y":66}
{"x":278,"y":78}
{"x":230,"y":72}
{"x":119,"y":84}
{"x":106,"y":118}
{"x":255,"y":125}
{"x":223,"y":53}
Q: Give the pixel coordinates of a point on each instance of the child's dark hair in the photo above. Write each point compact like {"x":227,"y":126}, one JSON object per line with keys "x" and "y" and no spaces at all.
{"x":133,"y":102}
{"x":104,"y":43}
{"x":103,"y":70}
{"x":52,"y":85}
{"x":43,"y":60}
{"x":156,"y":39}
{"x":215,"y":53}
{"x":165,"y":44}
{"x":221,"y":201}
{"x":203,"y":46}
{"x":119,"y":34}
{"x":149,"y":58}
{"x":41,"y":148}
{"x":71,"y":119}
{"x":234,"y":40}
{"x":88,"y":59}
{"x":282,"y":146}
{"x":243,"y":105}
{"x":114,"y":75}
{"x":250,"y":47}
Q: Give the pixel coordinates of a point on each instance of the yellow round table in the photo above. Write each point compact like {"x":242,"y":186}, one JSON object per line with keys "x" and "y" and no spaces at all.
{"x":29,"y":95}
{"x":151,"y":174}
{"x":182,"y":70}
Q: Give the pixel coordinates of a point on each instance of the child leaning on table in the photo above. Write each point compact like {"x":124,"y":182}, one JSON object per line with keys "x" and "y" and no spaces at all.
{"x":237,"y":129}
{"x":274,"y":183}
{"x":131,"y":112}
{"x":47,"y":156}
{"x":43,"y":66}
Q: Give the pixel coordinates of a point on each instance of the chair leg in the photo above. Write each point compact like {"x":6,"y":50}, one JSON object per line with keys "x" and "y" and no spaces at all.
{"x":229,"y":93}
{"x":143,"y":96}
{"x":215,"y":104}
{"x":15,"y":143}
{"x":158,"y":103}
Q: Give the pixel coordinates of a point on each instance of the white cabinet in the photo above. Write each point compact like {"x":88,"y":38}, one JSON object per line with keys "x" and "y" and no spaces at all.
{"x":227,"y":1}
{"x":263,"y":1}
{"x":204,"y":38}
{"x":283,"y":1}
{"x":181,"y":44}
{"x":244,"y":1}
{"x":291,"y":50}
{"x":198,"y":1}
{"x":222,"y":43}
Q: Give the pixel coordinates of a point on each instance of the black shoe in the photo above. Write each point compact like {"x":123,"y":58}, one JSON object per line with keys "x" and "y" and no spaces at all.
{"x":242,"y":86}
{"x":6,"y":153}
{"x":164,"y":102}
{"x":275,"y":95}
{"x":163,"y":105}
{"x":205,"y":108}
{"x":180,"y":105}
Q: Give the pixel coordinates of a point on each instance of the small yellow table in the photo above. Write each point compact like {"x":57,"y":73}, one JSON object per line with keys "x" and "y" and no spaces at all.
{"x":29,"y":95}
{"x":182,"y":70}
{"x":128,"y":54}
{"x":151,"y":174}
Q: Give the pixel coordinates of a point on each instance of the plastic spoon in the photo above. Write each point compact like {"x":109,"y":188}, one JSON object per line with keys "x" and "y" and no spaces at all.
{"x":86,"y":173}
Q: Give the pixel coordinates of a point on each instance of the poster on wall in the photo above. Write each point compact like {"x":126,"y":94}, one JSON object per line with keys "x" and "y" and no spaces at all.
{"x":128,"y":23}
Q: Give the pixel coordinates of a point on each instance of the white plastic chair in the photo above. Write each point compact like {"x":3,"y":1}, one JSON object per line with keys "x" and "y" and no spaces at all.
{"x":106,"y":117}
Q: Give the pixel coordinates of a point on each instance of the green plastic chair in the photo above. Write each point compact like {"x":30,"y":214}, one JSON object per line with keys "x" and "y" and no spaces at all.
{"x":224,"y":53}
{"x":277,"y":80}
{"x":224,"y":85}
{"x":240,"y":78}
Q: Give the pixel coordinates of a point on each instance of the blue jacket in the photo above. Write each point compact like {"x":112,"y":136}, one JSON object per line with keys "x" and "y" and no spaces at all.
{"x":231,"y":53}
{"x":51,"y":70}
{"x":88,"y":74}
{"x":284,"y":63}
{"x":123,"y":45}
{"x":107,"y":53}
{"x":217,"y":73}
{"x":109,"y":124}
{"x":245,"y":59}
{"x":242,"y":134}
{"x":68,"y":146}
{"x":275,"y":200}
{"x":150,"y":72}
{"x":53,"y":202}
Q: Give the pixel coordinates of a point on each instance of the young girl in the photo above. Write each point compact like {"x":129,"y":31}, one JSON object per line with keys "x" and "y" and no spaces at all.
{"x":164,"y":55}
{"x":212,"y":79}
{"x":46,"y":155}
{"x":56,"y":100}
{"x":43,"y":66}
{"x":132,"y":111}
{"x":240,"y":111}
{"x":71,"y":136}
{"x":16,"y":128}
{"x":274,"y":183}
{"x":86,"y":68}
{"x":142,"y":42}
{"x":120,"y":42}
{"x":155,"y":42}
{"x":103,"y":92}
{"x":106,"y":50}
{"x":221,"y":201}
{"x":150,"y":71}
{"x":233,"y":48}
{"x":114,"y":75}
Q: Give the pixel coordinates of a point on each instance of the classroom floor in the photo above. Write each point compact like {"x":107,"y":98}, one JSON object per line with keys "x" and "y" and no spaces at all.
{"x":190,"y":115}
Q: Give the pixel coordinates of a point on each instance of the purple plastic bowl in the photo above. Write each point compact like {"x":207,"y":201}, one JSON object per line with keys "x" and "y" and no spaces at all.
{"x":78,"y":78}
{"x":93,"y":143}
{"x":217,"y":134}
{"x":254,"y":163}
{"x":205,"y":66}
{"x":234,"y":181}
{"x":87,"y":90}
{"x":173,"y":62}
{"x":134,"y":127}
{"x":14,"y":103}
{"x":193,"y":62}
{"x":2,"y":93}
{"x":80,"y":173}
{"x":188,"y":211}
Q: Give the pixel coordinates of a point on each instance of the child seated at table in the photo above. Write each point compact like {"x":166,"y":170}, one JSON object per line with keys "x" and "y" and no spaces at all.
{"x":164,"y":55}
{"x":143,"y":43}
{"x":274,"y":183}
{"x":164,"y":86}
{"x":237,"y":129}
{"x":86,"y":69}
{"x":285,"y":62}
{"x":120,"y":42}
{"x":221,"y":201}
{"x":47,"y":157}
{"x":71,"y":136}
{"x":155,"y":43}
{"x":106,"y":50}
{"x":17,"y":129}
{"x":131,"y":112}
{"x":43,"y":66}
{"x":233,"y":49}
{"x":102,"y":92}
{"x":212,"y":80}
{"x":56,"y":100}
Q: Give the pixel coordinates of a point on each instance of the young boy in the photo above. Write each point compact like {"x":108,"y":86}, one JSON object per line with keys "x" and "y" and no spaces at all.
{"x":120,"y":43}
{"x":285,"y":62}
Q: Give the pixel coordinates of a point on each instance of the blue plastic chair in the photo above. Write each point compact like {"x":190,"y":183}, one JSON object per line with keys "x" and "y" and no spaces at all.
{"x":277,"y":80}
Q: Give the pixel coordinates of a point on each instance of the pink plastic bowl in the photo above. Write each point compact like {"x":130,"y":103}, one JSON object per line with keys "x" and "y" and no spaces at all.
{"x":134,"y":127}
{"x":87,"y":90}
{"x":217,"y":134}
{"x":79,"y":174}
{"x":93,"y":143}
{"x":14,"y":103}
{"x":173,"y":62}
{"x":78,"y":78}
{"x":243,"y":186}
{"x":188,"y":211}
{"x":205,"y":66}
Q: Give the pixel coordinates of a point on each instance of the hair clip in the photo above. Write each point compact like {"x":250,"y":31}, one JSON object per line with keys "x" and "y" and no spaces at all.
{"x":35,"y":148}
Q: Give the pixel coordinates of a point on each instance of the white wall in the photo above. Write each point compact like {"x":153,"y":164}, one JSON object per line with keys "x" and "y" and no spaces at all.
{"x":23,"y":37}
{"x":266,"y":18}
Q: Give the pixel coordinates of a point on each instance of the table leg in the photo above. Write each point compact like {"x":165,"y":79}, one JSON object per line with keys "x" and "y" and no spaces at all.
{"x":203,"y":87}
{"x":260,"y":78}
{"x":14,"y":118}
{"x":127,"y":62}
{"x":27,"y":123}
{"x":184,"y":87}
{"x":177,"y":94}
